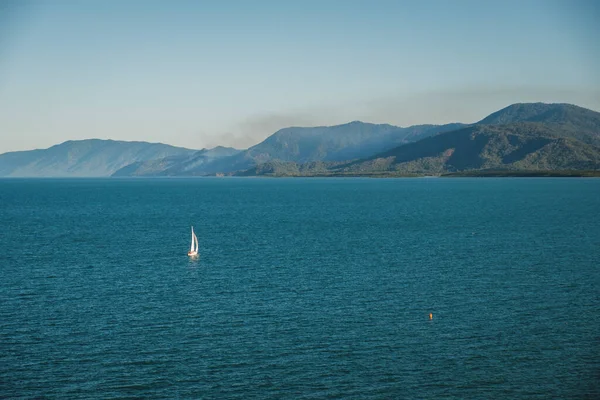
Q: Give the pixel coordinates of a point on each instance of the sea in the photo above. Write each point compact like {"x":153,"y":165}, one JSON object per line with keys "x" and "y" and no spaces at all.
{"x":305,"y":288}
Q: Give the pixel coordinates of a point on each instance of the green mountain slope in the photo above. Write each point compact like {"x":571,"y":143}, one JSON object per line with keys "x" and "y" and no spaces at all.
{"x":567,"y":120}
{"x":520,"y":146}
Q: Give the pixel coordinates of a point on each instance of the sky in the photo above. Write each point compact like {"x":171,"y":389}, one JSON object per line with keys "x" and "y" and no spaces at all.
{"x":206,"y":73}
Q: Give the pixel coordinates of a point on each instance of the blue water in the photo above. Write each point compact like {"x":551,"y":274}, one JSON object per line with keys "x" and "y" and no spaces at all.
{"x":305,"y":288}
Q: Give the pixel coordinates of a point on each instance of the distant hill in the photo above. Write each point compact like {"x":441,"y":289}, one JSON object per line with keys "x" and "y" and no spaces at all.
{"x":186,"y":164}
{"x":326,"y":143}
{"x":83,"y":158}
{"x":532,"y":137}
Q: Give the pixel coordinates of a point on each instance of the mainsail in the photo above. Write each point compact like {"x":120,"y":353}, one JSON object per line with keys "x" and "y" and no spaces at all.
{"x":194,"y":246}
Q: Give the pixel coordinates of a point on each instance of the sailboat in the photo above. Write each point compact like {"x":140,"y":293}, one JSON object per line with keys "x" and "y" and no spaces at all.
{"x":194,"y":247}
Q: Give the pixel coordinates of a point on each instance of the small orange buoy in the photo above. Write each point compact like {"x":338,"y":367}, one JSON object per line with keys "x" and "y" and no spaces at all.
{"x":430,"y":316}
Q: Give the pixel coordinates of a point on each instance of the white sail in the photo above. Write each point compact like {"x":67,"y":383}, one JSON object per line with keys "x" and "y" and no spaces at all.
{"x":194,"y":246}
{"x":193,"y":241}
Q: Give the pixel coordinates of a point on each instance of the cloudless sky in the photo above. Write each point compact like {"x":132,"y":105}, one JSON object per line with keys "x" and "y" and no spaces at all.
{"x":206,"y":73}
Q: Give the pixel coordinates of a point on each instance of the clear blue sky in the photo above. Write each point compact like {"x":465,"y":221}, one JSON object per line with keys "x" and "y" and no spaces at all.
{"x":199,"y":73}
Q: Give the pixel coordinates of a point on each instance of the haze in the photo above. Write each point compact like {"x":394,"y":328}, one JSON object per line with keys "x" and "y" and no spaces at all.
{"x":200,"y":74}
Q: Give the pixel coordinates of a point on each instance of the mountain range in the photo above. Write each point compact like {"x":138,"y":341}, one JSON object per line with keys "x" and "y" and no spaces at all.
{"x":520,"y":137}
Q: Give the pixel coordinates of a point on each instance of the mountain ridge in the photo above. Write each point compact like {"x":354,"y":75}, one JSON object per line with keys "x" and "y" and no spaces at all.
{"x":311,"y":144}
